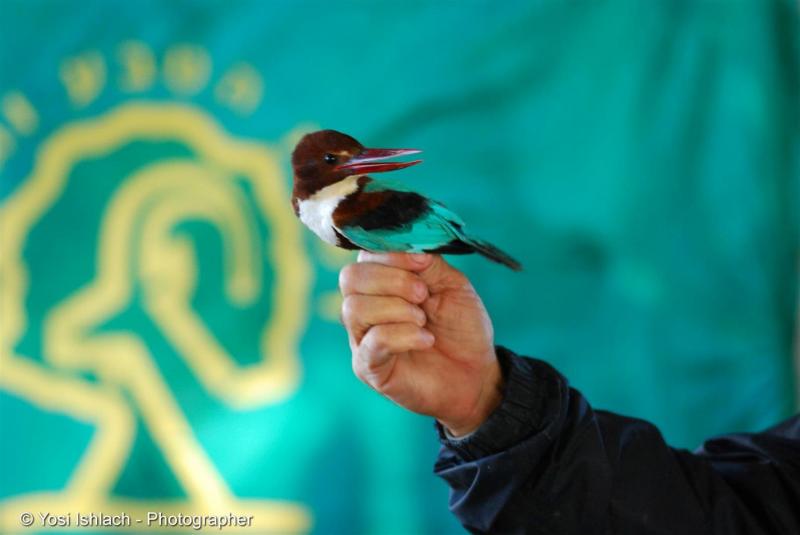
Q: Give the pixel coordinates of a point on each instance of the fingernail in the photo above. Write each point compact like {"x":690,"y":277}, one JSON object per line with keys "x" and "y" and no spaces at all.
{"x":420,"y":259}
{"x":420,"y":291}
{"x":423,"y":319}
{"x":427,"y":337}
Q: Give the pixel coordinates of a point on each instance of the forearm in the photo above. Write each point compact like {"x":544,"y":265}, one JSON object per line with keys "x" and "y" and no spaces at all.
{"x":546,"y":462}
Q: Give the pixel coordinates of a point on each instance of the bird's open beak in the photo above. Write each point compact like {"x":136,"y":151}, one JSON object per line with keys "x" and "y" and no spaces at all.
{"x":364,"y":162}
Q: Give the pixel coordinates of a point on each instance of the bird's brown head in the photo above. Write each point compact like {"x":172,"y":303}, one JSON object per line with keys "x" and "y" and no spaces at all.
{"x":325,"y":157}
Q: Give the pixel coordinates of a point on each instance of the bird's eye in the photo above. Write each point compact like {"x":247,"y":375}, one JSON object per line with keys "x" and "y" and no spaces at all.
{"x":330,"y":158}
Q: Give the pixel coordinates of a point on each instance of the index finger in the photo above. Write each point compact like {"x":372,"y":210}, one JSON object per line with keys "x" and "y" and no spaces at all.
{"x":371,"y":278}
{"x":432,"y":269}
{"x":407,"y":261}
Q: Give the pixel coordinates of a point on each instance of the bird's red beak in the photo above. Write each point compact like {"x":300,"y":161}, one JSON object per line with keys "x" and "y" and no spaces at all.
{"x":364,"y":162}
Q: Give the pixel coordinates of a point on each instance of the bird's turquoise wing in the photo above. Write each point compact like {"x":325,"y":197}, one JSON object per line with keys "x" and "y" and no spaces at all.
{"x":438,"y":227}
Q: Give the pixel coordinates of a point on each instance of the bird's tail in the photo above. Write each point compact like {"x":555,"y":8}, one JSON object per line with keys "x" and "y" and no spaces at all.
{"x":494,"y":254}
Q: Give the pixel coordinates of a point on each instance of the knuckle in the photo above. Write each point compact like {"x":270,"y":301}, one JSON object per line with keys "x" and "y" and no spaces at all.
{"x":347,"y":277}
{"x":367,"y":377}
{"x":358,"y":369}
{"x":349,"y":309}
{"x":376,"y":344}
{"x":372,"y":369}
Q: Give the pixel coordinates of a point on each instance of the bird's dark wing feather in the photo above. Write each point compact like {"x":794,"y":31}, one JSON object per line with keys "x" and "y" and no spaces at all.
{"x":391,"y":220}
{"x":385,"y":220}
{"x":390,"y":210}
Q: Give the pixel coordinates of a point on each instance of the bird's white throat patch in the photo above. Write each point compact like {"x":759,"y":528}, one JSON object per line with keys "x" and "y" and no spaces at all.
{"x":316,"y":212}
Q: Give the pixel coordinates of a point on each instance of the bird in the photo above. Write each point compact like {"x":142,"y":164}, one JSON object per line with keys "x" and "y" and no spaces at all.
{"x":334,"y":197}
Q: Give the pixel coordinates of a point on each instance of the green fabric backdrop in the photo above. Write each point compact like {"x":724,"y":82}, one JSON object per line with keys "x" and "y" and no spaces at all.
{"x":640,"y":158}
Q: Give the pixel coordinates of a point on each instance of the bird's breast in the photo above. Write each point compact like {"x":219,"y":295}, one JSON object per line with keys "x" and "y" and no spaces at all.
{"x":316,"y":212}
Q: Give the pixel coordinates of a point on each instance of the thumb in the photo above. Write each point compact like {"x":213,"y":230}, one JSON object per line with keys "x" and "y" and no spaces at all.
{"x":441,"y":276}
{"x":435,"y":272}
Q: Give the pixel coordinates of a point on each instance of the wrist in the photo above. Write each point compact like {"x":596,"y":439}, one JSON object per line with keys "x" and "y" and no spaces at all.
{"x":533,"y":395}
{"x":489,"y":398}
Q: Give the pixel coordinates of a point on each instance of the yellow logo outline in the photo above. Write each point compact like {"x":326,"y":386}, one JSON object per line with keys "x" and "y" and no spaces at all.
{"x":165,"y":268}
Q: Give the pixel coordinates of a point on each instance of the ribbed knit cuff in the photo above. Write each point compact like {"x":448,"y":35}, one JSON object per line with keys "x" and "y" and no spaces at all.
{"x":529,"y":383}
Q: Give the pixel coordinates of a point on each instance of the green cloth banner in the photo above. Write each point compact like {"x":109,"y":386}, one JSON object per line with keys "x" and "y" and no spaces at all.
{"x":169,"y":336}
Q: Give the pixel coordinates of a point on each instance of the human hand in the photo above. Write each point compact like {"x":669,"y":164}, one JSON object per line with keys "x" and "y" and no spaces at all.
{"x":420,"y":335}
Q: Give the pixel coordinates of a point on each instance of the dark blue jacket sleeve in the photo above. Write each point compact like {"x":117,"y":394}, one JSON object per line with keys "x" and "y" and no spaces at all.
{"x":546,"y":462}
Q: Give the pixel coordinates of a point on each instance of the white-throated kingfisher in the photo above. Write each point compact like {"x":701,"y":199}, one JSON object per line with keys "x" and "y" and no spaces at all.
{"x":334,"y":197}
